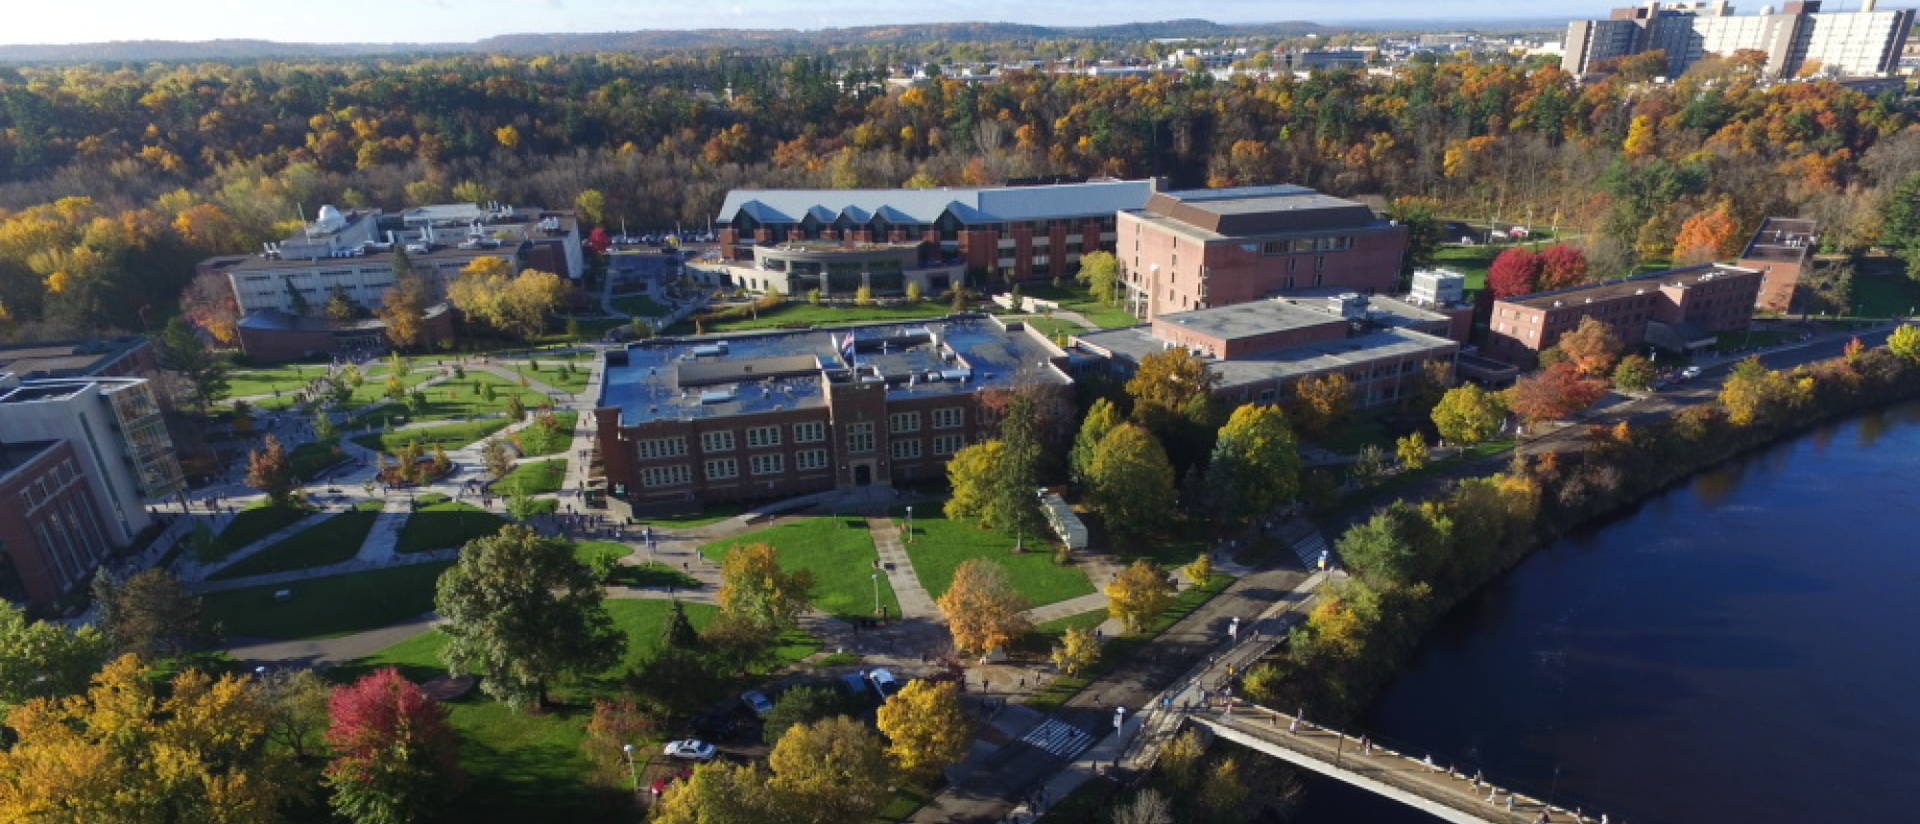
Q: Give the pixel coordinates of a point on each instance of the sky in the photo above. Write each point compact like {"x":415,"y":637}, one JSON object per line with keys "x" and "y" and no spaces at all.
{"x":417,"y":21}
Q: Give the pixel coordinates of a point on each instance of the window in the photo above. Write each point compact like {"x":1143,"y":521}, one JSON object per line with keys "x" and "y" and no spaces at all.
{"x":675,"y":475}
{"x":810,"y":459}
{"x":720,"y":441}
{"x":903,"y":422}
{"x":663,"y":448}
{"x":761,"y":437}
{"x":809,"y":432}
{"x":950,"y":417}
{"x":1266,"y":395}
{"x":860,"y":437}
{"x":906,"y":449}
{"x":771,"y":463}
{"x":719,"y":469}
{"x":948,"y":444}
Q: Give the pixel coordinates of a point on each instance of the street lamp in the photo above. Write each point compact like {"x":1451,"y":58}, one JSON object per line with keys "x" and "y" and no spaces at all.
{"x":909,"y":524}
{"x":631,"y":770}
{"x":876,"y":593}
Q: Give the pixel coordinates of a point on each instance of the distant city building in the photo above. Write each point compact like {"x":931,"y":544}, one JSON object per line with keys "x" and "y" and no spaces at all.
{"x":1302,"y":61}
{"x":1800,"y":36}
{"x":1202,"y":248}
{"x":1781,"y":249}
{"x":1262,"y":349}
{"x":79,"y":459}
{"x":1678,"y":308}
{"x":1021,"y":232}
{"x":683,"y":422}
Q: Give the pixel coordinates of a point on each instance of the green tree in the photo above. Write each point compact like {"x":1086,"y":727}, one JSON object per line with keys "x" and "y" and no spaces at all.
{"x":1100,"y":273}
{"x":1395,"y":546}
{"x":520,"y":612}
{"x":324,"y":429}
{"x":1256,"y":463}
{"x":1420,"y":216}
{"x":151,"y":614}
{"x":1101,"y":418}
{"x":516,"y":408}
{"x":1131,"y":480}
{"x":1905,"y":342}
{"x":42,"y":660}
{"x":757,"y":592}
{"x":679,"y":633}
{"x":1634,"y":373}
{"x":1169,"y":385}
{"x":1468,"y":414}
{"x":801,"y":705}
{"x":914,"y":293}
{"x":1900,"y":223}
{"x":1139,"y":594}
{"x":1224,"y":790}
{"x":1077,"y":651}
{"x":184,"y":354}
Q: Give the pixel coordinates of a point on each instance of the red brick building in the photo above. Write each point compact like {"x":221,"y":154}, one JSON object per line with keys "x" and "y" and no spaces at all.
{"x":1204,"y":248}
{"x":1694,"y":303}
{"x":683,"y":422}
{"x":1017,"y":232}
{"x":1781,"y":249}
{"x":50,"y":533}
{"x":272,"y":336}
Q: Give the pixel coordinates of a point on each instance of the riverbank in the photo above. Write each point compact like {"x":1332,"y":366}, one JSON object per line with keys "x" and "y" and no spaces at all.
{"x":1414,"y":564}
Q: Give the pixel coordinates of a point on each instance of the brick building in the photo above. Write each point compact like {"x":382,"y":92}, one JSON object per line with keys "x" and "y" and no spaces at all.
{"x":1781,"y":249}
{"x":1261,"y":349}
{"x":1687,"y":306}
{"x":1204,"y":248}
{"x":50,"y":533}
{"x":271,"y":336}
{"x":1019,"y":232}
{"x":683,"y":422}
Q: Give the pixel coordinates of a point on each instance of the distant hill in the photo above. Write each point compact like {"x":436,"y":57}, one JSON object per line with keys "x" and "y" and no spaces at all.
{"x":646,"y":40}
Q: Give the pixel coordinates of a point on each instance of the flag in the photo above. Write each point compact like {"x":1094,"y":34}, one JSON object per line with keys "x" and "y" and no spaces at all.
{"x":846,"y":348}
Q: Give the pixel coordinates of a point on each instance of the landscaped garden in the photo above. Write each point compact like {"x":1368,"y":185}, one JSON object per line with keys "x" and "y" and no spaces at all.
{"x":940,"y":545}
{"x":448,"y":436}
{"x":331,"y":541}
{"x":1076,"y":298}
{"x":327,"y":607}
{"x":838,"y":551}
{"x":568,"y":373}
{"x":641,"y":306}
{"x":799,"y":313}
{"x":536,"y":440}
{"x":439,"y":522}
{"x":533,"y":478}
{"x":314,"y":457}
{"x":464,"y":398}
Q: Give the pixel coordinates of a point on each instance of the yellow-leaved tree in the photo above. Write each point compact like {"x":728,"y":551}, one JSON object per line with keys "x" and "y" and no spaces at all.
{"x":829,"y":771}
{"x":925,"y":727}
{"x":1138,"y":594}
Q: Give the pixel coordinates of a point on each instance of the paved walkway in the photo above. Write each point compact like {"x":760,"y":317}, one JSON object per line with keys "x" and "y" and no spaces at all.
{"x":913,"y":597}
{"x":189,"y":569}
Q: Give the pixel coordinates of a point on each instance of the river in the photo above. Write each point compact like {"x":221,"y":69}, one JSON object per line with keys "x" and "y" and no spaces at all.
{"x":1740,"y":648}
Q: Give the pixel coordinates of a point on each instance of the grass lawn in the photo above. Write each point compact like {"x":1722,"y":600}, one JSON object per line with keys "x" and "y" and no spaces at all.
{"x":1052,"y":327}
{"x":1353,"y":433}
{"x":451,"y":436}
{"x":527,"y":766}
{"x":313,"y":457}
{"x":838,"y":551}
{"x":328,"y":607}
{"x":640,"y":305}
{"x":1471,"y":261}
{"x":644,"y":574}
{"x":799,"y":313}
{"x":286,"y":380}
{"x":373,"y":387}
{"x":253,"y":523}
{"x":533,"y":478}
{"x":535,"y":440}
{"x":1059,"y":690}
{"x":549,"y":372}
{"x":1075,"y":298}
{"x":441,"y":522}
{"x":940,"y":545}
{"x":461,"y":398}
{"x":331,"y":541}
{"x":1884,"y":296}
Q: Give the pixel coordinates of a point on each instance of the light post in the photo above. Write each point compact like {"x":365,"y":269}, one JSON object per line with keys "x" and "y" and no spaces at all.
{"x":631,"y":770}
{"x":876,"y":593}
{"x":909,"y":524}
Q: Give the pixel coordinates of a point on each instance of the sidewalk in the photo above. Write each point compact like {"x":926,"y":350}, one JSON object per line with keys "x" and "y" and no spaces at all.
{"x":913,"y":597}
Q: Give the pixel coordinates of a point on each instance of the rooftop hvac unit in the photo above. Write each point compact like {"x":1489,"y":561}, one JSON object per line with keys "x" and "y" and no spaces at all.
{"x":716,"y":396}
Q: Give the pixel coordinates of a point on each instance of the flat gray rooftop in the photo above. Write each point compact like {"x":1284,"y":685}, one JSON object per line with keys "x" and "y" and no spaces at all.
{"x":1250,"y":319}
{"x":715,"y":376}
{"x":1134,"y":343}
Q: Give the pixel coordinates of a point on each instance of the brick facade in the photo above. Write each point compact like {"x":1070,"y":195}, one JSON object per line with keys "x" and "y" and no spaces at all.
{"x":49,"y":523}
{"x":1712,"y":297}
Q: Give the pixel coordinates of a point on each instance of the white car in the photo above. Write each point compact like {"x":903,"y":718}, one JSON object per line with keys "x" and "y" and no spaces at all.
{"x":1690,"y":373}
{"x":691,"y":748}
{"x":884,"y":683}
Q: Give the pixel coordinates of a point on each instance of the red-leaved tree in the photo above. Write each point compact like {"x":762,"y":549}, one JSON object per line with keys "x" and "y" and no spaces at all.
{"x":1562,"y":265}
{"x":395,"y":756}
{"x":1515,"y":272}
{"x":1553,"y":393}
{"x":597,"y":240}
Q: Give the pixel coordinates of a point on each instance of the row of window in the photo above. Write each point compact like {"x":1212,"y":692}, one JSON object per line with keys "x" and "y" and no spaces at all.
{"x":46,"y":485}
{"x":860,"y":436}
{"x":774,"y":463}
{"x":1303,"y":245}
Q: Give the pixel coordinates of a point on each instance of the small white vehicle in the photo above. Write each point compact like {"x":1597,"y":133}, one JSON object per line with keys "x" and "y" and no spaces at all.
{"x":1690,"y":373}
{"x":692,"y":749}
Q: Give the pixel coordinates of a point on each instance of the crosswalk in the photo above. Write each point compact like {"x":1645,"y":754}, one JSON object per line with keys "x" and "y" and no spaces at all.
{"x":1058,"y":737}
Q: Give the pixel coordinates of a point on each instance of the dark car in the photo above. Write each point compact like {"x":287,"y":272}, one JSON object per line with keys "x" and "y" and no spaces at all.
{"x":717,"y":726}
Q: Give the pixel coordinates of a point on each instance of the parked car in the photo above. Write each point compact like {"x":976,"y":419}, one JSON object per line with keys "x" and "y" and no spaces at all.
{"x":1690,"y":373}
{"x":758,"y":702}
{"x":884,"y":683}
{"x":717,"y":726}
{"x":692,"y":749}
{"x":660,"y":785}
{"x":854,"y":684}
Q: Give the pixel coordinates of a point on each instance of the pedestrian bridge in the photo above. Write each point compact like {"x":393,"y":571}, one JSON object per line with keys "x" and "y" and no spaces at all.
{"x":1415,"y":781}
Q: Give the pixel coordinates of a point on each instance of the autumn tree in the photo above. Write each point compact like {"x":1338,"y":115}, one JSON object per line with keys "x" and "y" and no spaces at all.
{"x":721,"y":792}
{"x":1224,"y":789}
{"x":150,"y":614}
{"x":1100,"y":273}
{"x":1562,"y":265}
{"x":1553,"y":393}
{"x":926,"y":729}
{"x":1593,"y":347}
{"x":1900,"y":222}
{"x":832,"y":770}
{"x":520,"y":612}
{"x":1905,"y":342}
{"x":186,"y":356}
{"x":592,"y":205}
{"x":1515,"y":271}
{"x":1131,"y":480}
{"x":1256,"y":463}
{"x":1101,"y":418}
{"x":1077,"y":651}
{"x":1139,"y":594}
{"x":1755,"y":393}
{"x":984,"y":611}
{"x":1420,"y":216}
{"x":1323,"y":400}
{"x":756,"y":591}
{"x":297,"y":711}
{"x":271,"y":471}
{"x":1468,"y":414}
{"x":1634,"y":373}
{"x":1170,"y":386}
{"x":801,"y":705}
{"x":1707,"y":236}
{"x":43,"y":660}
{"x":208,"y":302}
{"x":403,"y":309}
{"x":1412,"y":450}
{"x":127,"y":751}
{"x":395,"y":758}
{"x":488,"y":291}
